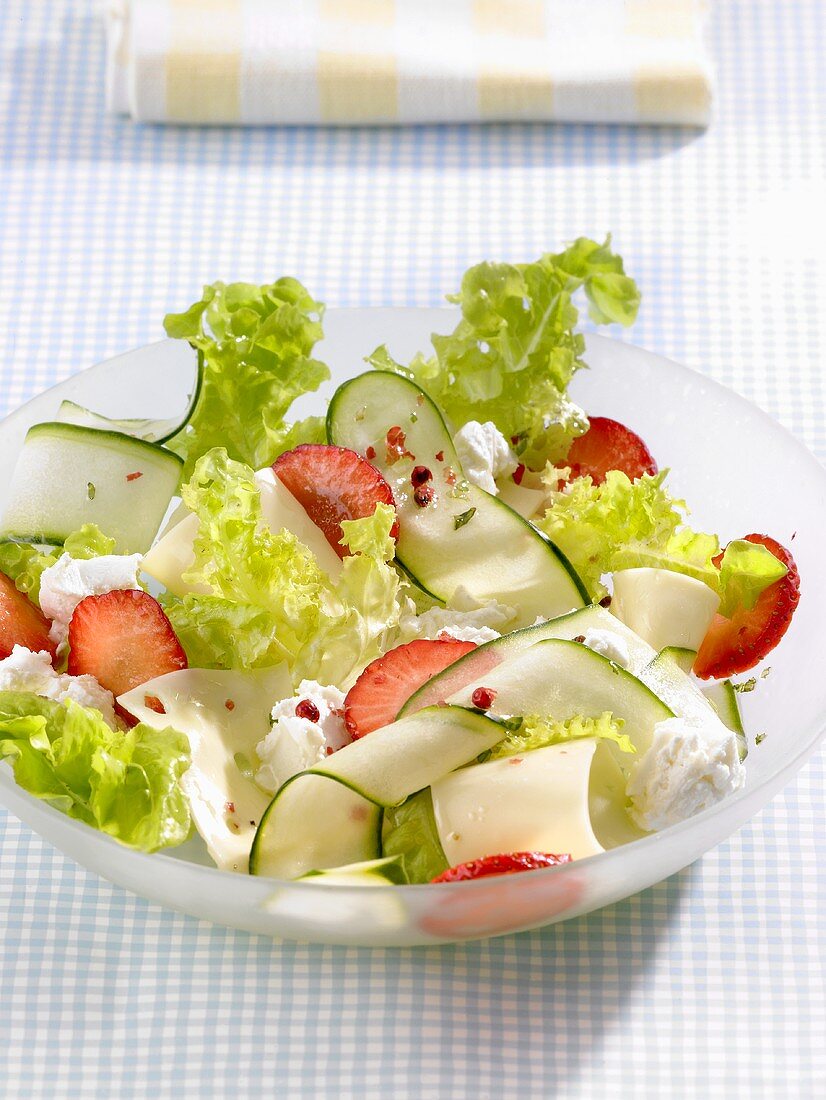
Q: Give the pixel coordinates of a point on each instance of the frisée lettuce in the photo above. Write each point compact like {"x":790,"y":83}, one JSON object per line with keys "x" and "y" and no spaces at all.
{"x":257,"y":343}
{"x":26,"y":563}
{"x":125,"y":783}
{"x":628,"y":524}
{"x":268,"y":599}
{"x":514,"y":352}
{"x":537,"y":732}
{"x":592,"y":523}
{"x":745,"y":568}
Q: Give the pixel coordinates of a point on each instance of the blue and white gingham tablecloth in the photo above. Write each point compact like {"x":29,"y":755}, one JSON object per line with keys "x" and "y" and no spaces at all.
{"x":709,"y":985}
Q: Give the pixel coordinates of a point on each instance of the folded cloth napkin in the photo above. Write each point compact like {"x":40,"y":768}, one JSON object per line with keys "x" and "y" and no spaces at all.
{"x":341,"y":62}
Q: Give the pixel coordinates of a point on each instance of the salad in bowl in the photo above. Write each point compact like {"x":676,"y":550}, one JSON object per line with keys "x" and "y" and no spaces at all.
{"x":455,"y":628}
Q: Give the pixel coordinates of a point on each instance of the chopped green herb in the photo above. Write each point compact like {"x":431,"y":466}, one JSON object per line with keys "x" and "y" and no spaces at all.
{"x":745,"y":685}
{"x":463,"y":518}
{"x":244,"y":765}
{"x":760,"y":738}
{"x":460,"y":490}
{"x":90,"y":490}
{"x":413,"y":418}
{"x":765,"y":672}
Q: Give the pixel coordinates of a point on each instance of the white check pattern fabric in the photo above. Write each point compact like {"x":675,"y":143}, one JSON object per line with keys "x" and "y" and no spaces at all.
{"x":709,"y":985}
{"x":339,"y":62}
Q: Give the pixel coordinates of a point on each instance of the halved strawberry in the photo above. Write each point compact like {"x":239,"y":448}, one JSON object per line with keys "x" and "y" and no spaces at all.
{"x":332,"y":484}
{"x":508,"y":864}
{"x":387,"y":683}
{"x":609,"y":445}
{"x":21,"y":621}
{"x":123,"y":639}
{"x":739,"y":643}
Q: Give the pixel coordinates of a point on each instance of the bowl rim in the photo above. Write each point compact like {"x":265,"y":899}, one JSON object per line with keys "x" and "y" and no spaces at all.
{"x":756,"y":794}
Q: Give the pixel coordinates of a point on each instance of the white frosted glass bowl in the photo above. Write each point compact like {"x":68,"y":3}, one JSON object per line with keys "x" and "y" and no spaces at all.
{"x":739,"y":471}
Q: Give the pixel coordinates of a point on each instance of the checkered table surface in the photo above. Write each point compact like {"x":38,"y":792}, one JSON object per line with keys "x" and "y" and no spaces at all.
{"x":707,"y":985}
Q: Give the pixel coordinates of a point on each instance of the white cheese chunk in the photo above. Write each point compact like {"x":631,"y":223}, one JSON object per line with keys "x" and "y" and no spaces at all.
{"x":663,"y":607}
{"x":23,"y":670}
{"x":70,"y":580}
{"x":608,"y":644}
{"x":484,"y":454}
{"x":296,"y":743}
{"x":479,"y":625}
{"x":690,"y":766}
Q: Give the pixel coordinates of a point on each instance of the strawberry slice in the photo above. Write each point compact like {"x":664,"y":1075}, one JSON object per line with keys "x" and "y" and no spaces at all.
{"x":609,"y":445}
{"x":332,"y":484}
{"x":123,"y":639}
{"x":509,"y":864}
{"x":21,"y":622}
{"x":387,"y":683}
{"x":739,"y":643}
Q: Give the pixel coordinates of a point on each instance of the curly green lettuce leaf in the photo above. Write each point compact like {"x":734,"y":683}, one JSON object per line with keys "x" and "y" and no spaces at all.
{"x":409,"y":832}
{"x":312,"y":429}
{"x":268,"y":600}
{"x":218,"y":633}
{"x":362,"y":611}
{"x":25,"y":563}
{"x":625,"y":524}
{"x":88,"y":542}
{"x":125,"y":783}
{"x":266,"y":587}
{"x":514,"y":352}
{"x":537,"y":732}
{"x":744,"y":571}
{"x":593,"y":524}
{"x":257,"y":343}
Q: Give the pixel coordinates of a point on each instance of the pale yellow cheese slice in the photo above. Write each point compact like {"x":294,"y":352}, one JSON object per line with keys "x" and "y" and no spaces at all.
{"x":224,"y":714}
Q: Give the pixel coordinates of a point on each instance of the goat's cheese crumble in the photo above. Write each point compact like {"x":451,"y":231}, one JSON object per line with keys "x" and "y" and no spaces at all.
{"x":689,"y":767}
{"x":484,"y":454}
{"x":24,"y":670}
{"x":295,"y":744}
{"x":70,"y":580}
{"x":608,"y":644}
{"x":463,"y":619}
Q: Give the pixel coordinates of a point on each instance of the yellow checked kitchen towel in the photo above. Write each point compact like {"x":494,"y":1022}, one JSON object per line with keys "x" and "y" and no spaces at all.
{"x":341,"y":62}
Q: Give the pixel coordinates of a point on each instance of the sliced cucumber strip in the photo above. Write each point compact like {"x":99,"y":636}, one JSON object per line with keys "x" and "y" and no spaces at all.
{"x":475,"y":664}
{"x":314,"y":823}
{"x":68,"y":475}
{"x":464,"y":537}
{"x":683,"y":658}
{"x":667,"y":679}
{"x":330,"y":816}
{"x":372,"y":872}
{"x":394,"y":761}
{"x":153,"y":431}
{"x":564,"y":679}
{"x":723,"y":698}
